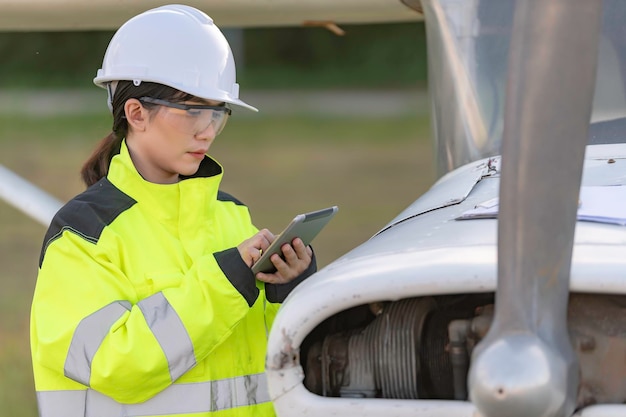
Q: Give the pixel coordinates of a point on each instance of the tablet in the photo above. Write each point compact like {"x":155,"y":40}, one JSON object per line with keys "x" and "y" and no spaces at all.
{"x":305,"y":226}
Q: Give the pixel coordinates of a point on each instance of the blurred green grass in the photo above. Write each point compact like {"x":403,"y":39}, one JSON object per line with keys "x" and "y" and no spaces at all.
{"x":372,"y":168}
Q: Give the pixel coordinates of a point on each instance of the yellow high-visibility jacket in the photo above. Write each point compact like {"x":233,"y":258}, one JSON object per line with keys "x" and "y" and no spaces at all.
{"x":143,"y":306}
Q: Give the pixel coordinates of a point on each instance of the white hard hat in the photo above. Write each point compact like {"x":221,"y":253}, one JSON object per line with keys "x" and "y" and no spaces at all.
{"x":175,"y":45}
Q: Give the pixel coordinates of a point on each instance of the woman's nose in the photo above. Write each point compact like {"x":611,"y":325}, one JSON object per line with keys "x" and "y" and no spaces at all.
{"x":207,"y":133}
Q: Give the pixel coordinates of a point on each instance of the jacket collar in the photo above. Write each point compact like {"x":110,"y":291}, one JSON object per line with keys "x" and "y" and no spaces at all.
{"x":189,"y":198}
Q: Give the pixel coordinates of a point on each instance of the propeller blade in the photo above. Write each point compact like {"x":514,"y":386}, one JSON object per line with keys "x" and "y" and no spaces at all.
{"x":526,"y":366}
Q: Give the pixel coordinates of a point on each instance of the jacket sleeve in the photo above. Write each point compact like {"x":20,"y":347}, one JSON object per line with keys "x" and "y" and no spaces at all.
{"x":275,"y":294}
{"x":89,"y":324}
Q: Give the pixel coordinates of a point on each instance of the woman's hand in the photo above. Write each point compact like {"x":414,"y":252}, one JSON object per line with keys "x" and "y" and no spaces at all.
{"x":251,"y":249}
{"x":297,"y":258}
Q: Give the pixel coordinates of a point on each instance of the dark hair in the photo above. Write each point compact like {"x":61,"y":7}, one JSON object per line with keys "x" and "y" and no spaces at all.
{"x":97,"y":166}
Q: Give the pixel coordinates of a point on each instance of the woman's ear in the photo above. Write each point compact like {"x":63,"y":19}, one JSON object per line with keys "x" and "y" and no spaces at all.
{"x":136,"y":115}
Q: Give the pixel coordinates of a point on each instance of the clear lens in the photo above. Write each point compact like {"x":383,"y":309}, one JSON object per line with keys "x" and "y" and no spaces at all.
{"x":196,"y":121}
{"x":193,"y":118}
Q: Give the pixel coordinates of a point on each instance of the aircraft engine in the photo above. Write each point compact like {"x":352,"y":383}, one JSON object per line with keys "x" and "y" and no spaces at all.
{"x":420,"y":348}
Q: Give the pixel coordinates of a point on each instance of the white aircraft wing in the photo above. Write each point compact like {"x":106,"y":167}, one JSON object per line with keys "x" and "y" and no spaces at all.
{"x":44,"y":15}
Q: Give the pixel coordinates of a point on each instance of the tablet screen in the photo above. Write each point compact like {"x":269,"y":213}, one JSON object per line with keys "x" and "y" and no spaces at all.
{"x":305,"y":226}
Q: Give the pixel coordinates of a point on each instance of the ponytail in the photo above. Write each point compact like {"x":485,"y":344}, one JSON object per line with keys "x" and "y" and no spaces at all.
{"x":97,"y":166}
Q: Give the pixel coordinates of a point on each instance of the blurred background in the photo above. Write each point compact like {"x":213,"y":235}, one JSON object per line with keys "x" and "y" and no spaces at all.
{"x":343,"y":120}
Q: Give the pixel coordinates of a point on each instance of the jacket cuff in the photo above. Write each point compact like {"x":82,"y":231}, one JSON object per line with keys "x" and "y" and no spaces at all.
{"x":276,"y":293}
{"x":238,"y":273}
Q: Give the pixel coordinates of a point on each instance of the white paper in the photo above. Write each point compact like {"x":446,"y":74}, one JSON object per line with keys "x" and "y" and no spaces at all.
{"x":603,"y":204}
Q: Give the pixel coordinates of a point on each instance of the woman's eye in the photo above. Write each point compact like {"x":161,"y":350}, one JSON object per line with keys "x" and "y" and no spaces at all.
{"x":194,"y":112}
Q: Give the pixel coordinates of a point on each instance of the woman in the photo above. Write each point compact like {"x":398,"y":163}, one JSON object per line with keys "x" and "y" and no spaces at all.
{"x":145,"y":303}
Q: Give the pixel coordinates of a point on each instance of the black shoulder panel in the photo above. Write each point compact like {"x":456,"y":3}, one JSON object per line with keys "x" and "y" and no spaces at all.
{"x":88,"y":213}
{"x":222,"y":196}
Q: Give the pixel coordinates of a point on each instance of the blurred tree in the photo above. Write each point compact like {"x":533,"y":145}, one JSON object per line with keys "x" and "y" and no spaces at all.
{"x":49,"y":59}
{"x":384,"y":55}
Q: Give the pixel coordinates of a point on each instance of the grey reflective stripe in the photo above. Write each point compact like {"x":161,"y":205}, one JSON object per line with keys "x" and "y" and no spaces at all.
{"x":200,"y":397}
{"x":62,"y":403}
{"x":170,"y":332}
{"x":88,"y":337}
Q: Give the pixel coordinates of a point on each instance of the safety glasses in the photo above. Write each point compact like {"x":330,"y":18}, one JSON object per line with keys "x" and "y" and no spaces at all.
{"x":193,"y":118}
